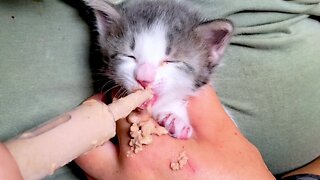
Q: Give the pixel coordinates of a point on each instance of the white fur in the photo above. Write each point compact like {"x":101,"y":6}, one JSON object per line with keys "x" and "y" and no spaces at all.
{"x":151,"y":45}
{"x":171,"y":85}
{"x":126,"y":72}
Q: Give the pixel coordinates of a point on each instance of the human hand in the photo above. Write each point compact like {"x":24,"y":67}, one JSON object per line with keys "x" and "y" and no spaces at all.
{"x":40,"y":151}
{"x":216,"y":150}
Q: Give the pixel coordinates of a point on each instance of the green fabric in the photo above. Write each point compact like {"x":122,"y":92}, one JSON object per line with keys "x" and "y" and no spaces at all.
{"x":43,"y":64}
{"x":269,"y":80}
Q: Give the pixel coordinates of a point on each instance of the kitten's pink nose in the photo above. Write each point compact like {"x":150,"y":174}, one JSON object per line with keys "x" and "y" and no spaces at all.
{"x":145,"y":74}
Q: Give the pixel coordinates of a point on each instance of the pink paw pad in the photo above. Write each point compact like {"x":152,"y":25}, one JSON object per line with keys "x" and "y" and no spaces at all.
{"x":186,"y":133}
{"x":176,"y":127}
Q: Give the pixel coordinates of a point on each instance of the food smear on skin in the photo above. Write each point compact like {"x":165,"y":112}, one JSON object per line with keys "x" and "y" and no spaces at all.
{"x":180,"y":163}
{"x":141,"y":130}
{"x":143,"y":127}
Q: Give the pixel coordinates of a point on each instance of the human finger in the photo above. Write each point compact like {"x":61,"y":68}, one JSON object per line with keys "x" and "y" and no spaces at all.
{"x":122,"y":107}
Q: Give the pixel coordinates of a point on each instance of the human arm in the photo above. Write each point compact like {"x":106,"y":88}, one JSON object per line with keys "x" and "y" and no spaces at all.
{"x":312,"y":168}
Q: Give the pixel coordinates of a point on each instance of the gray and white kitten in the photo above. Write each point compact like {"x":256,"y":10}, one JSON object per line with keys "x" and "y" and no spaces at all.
{"x":164,"y":45}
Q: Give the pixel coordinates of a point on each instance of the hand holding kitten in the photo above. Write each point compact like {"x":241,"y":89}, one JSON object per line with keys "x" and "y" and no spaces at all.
{"x":217,"y":149}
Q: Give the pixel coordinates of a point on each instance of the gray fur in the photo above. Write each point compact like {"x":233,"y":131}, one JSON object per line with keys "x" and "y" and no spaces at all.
{"x":186,"y":44}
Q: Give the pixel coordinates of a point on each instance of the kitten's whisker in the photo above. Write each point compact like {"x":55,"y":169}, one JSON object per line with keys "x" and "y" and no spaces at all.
{"x":112,"y":88}
{"x":118,"y":92}
{"x":128,"y":80}
{"x":107,"y":83}
{"x":124,"y":92}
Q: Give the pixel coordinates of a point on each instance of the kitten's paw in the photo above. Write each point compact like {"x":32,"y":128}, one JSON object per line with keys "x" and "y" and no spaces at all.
{"x":176,"y":126}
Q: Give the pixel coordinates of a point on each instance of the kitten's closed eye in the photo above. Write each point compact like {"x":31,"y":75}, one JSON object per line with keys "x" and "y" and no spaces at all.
{"x":131,"y":57}
{"x":171,"y":61}
{"x":124,"y":56}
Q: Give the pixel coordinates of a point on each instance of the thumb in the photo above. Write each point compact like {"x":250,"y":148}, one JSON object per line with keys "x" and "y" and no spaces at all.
{"x":207,"y":114}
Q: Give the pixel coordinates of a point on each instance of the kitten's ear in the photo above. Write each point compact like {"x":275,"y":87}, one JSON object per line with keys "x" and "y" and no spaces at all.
{"x":216,"y":34}
{"x":107,"y":17}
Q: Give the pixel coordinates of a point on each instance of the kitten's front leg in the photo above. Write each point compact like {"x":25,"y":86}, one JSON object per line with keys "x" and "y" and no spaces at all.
{"x":174,"y":117}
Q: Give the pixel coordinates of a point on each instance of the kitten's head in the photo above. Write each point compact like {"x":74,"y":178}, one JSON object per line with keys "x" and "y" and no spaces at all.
{"x":161,"y":44}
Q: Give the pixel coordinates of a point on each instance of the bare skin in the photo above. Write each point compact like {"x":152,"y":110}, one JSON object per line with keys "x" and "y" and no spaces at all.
{"x":311,"y":168}
{"x":217,"y":150}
